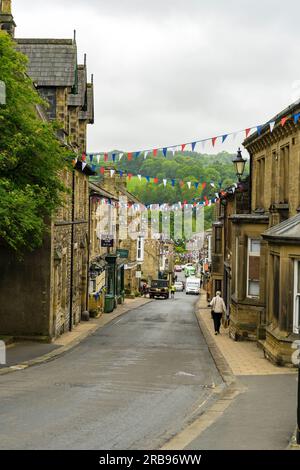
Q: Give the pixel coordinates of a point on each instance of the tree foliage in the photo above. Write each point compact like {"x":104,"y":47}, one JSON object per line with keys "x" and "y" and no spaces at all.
{"x":31,"y":157}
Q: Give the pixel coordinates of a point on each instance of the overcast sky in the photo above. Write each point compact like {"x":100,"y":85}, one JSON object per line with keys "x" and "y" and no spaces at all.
{"x":173,"y":71}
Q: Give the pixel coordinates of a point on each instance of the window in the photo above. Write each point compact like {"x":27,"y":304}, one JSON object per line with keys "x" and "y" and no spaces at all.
{"x":218,"y":240}
{"x":140,"y":249}
{"x":296,"y":315}
{"x":253,"y":268}
{"x":284,"y":174}
{"x":276,"y":286}
{"x":236,"y":265}
{"x":260,"y":183}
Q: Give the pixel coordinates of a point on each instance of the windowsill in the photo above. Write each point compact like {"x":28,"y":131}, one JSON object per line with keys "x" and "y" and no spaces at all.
{"x":247,"y":301}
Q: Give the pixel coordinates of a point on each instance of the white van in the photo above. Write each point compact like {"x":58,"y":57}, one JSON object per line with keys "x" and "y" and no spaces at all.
{"x":192,"y":285}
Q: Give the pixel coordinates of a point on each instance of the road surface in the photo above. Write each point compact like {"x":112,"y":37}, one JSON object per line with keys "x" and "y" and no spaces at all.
{"x":131,"y":385}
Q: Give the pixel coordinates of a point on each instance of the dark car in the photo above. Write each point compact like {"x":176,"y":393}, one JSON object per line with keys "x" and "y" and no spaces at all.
{"x":159,"y":288}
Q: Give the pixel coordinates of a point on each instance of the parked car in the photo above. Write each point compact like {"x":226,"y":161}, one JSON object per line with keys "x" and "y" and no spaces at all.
{"x":179,"y":286}
{"x":159,"y":288}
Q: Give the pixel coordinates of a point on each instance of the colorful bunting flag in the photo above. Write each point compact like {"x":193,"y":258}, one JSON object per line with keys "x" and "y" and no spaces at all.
{"x":272,"y":124}
{"x":247,"y":131}
{"x":183,"y":147}
{"x":224,"y":137}
{"x":296,"y":117}
{"x":283,"y":121}
{"x":155,"y":153}
{"x":194,"y":146}
{"x":214,"y":139}
{"x":129,"y":156}
{"x":105,"y":157}
{"x":165,"y":150}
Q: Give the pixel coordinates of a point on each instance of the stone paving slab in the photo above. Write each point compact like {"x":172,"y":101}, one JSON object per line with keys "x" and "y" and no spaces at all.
{"x":243,"y":357}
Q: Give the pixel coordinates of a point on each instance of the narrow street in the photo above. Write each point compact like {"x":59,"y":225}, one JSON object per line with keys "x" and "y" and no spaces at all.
{"x":131,"y":385}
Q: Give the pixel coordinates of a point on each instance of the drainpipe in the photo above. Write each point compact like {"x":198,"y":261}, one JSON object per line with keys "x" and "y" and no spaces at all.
{"x":72,"y":252}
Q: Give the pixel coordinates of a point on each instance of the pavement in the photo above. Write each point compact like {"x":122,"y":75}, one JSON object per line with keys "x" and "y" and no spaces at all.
{"x":257,"y":411}
{"x":23,"y":354}
{"x":133,"y":384}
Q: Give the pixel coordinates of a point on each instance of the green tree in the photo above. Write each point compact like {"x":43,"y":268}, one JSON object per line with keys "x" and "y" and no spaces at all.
{"x":30,"y":157}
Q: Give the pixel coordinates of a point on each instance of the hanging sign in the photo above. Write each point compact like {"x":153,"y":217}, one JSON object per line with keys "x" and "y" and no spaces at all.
{"x":107,"y":241}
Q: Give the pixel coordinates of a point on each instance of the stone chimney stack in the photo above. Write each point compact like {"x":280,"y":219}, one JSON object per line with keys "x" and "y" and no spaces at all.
{"x":6,"y":18}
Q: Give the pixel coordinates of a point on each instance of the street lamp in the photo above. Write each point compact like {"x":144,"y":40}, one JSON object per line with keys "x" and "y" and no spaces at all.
{"x":239,"y":164}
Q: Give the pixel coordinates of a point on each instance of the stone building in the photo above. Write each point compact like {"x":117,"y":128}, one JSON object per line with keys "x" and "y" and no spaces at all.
{"x":256,"y":241}
{"x":99,"y":269}
{"x":44,"y":295}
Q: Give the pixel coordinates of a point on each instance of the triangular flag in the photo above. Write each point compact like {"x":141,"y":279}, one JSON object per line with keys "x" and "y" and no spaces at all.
{"x":91,"y":157}
{"x":194,"y":146}
{"x":105,"y":157}
{"x":98,"y":157}
{"x":121,"y":173}
{"x":113,"y":157}
{"x":203,"y":185}
{"x":224,"y":137}
{"x":121,"y":156}
{"x":189,"y":184}
{"x":129,"y":156}
{"x":102,"y":170}
{"x":137,"y":154}
{"x":183,"y":147}
{"x":196,"y":185}
{"x":148,"y":179}
{"x":296,"y":117}
{"x":155,"y":180}
{"x":247,"y":131}
{"x":145,"y":154}
{"x":129,"y":176}
{"x":94,"y":168}
{"x":83,"y":165}
{"x":259,"y":129}
{"x":173,"y":183}
{"x":155,"y":153}
{"x":214,"y":139}
{"x":272,"y":124}
{"x":139,"y":177}
{"x":165,"y":151}
{"x":165,"y":182}
{"x":112,"y":172}
{"x":83,"y":157}
{"x":212,"y":184}
{"x":181,"y":183}
{"x":283,"y":121}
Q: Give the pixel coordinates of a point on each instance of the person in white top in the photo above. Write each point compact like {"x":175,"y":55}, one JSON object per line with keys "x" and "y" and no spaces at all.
{"x":218,"y":309}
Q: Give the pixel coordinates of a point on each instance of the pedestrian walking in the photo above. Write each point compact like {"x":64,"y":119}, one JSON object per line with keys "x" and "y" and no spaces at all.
{"x":218,"y":309}
{"x":173,"y":290}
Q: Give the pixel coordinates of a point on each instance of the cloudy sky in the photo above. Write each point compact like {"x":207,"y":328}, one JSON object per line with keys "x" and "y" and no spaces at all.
{"x":174,"y":71}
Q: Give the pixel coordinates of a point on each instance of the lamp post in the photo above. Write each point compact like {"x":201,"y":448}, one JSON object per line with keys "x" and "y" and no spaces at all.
{"x":239,"y":164}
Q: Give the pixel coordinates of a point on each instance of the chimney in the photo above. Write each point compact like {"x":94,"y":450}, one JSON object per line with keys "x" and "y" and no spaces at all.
{"x":6,"y":19}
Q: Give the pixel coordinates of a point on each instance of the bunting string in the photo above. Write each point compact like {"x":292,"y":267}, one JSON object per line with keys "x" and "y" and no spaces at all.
{"x":191,"y":146}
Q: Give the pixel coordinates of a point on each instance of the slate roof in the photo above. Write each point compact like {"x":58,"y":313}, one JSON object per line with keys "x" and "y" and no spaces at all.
{"x":287,"y":231}
{"x":52,"y":62}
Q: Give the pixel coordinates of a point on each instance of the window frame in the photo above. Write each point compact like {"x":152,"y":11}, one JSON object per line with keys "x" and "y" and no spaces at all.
{"x":296,"y":298}
{"x":250,"y":253}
